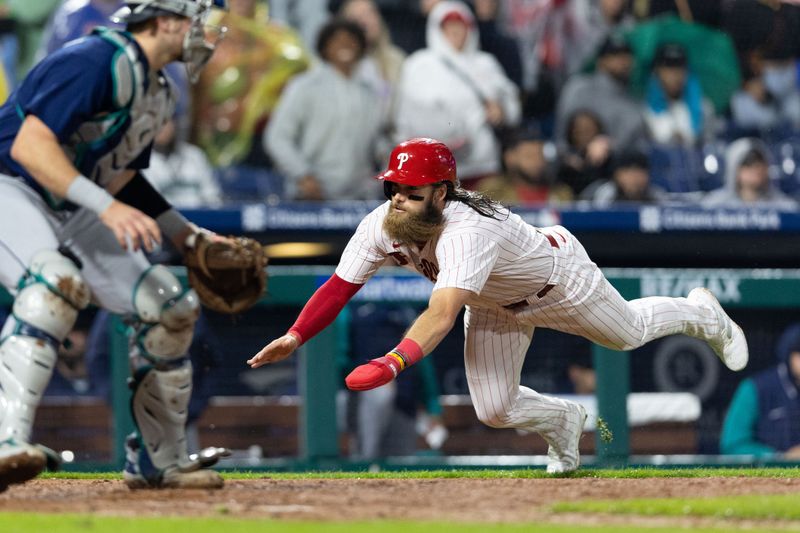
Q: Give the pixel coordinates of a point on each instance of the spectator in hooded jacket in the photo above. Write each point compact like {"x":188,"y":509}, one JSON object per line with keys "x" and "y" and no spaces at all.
{"x":676,"y":111}
{"x":764,"y":416}
{"x":454,"y":92}
{"x":747,"y":181}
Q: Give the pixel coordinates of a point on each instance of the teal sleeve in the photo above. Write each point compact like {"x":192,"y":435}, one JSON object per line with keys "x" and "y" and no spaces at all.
{"x":430,"y":386}
{"x":739,"y":428}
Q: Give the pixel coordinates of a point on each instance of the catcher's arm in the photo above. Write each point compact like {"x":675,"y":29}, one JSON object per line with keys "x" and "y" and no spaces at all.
{"x":37,"y":148}
{"x":422,"y":337}
{"x":317,"y":314}
{"x":140,"y":193}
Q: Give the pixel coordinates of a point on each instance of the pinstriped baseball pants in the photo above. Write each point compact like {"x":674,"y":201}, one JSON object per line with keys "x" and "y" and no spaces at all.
{"x":582,"y":302}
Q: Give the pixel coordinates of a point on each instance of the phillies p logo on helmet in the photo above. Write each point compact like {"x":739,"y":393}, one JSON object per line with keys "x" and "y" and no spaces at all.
{"x":401,"y":158}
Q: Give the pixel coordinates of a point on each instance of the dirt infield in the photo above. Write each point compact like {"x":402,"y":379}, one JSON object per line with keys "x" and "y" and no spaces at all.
{"x":448,"y":500}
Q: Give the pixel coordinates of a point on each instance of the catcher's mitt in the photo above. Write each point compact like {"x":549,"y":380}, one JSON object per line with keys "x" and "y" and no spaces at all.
{"x":229,"y":274}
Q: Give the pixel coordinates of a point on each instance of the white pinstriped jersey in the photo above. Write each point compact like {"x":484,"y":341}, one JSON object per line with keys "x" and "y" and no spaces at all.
{"x":501,"y":261}
{"x":505,"y":262}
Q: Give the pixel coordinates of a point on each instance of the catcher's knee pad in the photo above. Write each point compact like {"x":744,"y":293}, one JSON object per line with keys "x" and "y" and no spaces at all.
{"x":166,"y":313}
{"x":50,"y":295}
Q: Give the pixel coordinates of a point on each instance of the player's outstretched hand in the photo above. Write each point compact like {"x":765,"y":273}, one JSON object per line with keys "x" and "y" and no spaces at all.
{"x":277,"y":350}
{"x":128,"y":223}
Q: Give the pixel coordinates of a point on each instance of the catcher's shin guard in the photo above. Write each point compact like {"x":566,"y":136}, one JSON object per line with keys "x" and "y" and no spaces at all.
{"x":45,"y":309}
{"x":162,"y":385}
{"x":157,"y":454}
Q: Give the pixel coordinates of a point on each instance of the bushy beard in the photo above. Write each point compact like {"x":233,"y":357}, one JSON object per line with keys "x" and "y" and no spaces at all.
{"x":412,"y":228}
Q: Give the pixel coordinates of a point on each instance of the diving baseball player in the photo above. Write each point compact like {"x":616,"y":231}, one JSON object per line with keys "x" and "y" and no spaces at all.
{"x":76,"y":212}
{"x":512,"y":278}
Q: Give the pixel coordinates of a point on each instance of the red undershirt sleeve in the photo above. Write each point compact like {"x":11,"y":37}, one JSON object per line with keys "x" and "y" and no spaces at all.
{"x":323,"y":307}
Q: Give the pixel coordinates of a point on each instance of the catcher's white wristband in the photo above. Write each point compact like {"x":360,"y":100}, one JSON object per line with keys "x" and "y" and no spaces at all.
{"x":85,"y":193}
{"x":172,"y":222}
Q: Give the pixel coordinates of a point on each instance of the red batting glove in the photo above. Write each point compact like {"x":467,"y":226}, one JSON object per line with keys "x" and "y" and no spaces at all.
{"x":384,"y":369}
{"x":375,"y":373}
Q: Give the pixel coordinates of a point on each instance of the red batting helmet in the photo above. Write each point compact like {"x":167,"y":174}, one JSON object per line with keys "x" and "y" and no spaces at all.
{"x":420,"y":161}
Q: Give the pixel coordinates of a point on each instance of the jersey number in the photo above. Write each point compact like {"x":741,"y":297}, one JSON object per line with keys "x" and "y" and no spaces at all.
{"x":429,"y":270}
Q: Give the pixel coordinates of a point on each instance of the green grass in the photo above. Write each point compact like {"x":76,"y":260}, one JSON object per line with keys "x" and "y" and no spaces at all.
{"x":28,"y":523}
{"x":754,"y":507}
{"x":783,"y":508}
{"x":627,"y":473}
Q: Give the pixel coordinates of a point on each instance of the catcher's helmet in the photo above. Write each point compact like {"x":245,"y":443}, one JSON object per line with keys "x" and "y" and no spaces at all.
{"x":196,"y":49}
{"x":134,"y":11}
{"x":420,"y":161}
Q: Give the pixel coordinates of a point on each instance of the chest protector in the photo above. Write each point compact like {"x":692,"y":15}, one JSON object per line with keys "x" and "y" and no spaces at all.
{"x":143,"y":101}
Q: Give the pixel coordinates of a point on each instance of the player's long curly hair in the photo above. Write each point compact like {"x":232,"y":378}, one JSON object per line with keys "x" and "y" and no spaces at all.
{"x":484,"y":205}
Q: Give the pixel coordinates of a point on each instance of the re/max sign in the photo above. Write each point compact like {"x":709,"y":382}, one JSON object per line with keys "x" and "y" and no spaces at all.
{"x":725,"y":288}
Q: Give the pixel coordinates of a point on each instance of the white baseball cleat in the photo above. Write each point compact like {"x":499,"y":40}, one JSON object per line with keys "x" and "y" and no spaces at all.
{"x":561,"y":461}
{"x":729,"y":344}
{"x":19,"y":462}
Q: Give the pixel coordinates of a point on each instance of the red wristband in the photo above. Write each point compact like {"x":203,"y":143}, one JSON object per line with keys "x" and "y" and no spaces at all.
{"x":409,"y":350}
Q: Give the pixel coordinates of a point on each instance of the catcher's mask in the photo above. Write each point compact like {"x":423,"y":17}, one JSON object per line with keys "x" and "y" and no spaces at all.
{"x":197,"y":50}
{"x":417,"y":162}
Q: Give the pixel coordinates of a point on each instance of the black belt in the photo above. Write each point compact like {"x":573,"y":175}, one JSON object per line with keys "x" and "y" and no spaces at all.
{"x":543,"y":292}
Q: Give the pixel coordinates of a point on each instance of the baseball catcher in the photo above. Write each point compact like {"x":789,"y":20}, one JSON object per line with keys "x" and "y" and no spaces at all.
{"x":76,"y":214}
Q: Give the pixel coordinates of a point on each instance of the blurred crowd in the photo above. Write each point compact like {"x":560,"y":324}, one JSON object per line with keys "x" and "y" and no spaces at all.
{"x":542,"y":101}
